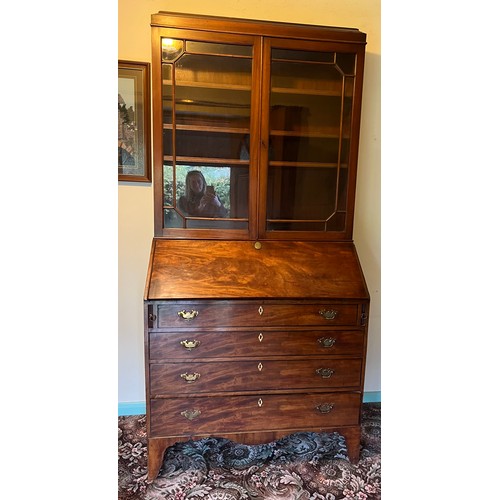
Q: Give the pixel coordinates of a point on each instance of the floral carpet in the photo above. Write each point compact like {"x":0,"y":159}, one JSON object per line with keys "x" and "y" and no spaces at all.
{"x":302,"y":466}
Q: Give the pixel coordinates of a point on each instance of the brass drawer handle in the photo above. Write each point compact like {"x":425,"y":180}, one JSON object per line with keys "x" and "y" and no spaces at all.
{"x":190,"y":377}
{"x":325,"y":407}
{"x":191,"y":414}
{"x":327,"y":341}
{"x":190,"y":344}
{"x":325,"y":372}
{"x":328,"y":314}
{"x":187,"y":315}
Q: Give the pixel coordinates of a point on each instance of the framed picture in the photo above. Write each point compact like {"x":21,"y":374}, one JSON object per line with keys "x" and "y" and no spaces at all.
{"x":134,"y":122}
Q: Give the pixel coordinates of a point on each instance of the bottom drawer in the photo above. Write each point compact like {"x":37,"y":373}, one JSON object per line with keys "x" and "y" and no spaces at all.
{"x":213,"y":415}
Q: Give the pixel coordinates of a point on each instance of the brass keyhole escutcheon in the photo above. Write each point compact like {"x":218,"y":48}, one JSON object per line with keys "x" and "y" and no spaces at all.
{"x":260,"y":402}
{"x":261,"y":310}
{"x":260,"y":367}
{"x":260,"y":337}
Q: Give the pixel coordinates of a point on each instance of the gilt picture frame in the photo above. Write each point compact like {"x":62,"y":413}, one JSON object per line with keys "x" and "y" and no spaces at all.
{"x":134,"y":121}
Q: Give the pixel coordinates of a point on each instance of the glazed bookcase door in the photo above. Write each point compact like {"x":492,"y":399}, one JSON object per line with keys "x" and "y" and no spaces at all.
{"x":272,"y":123}
{"x":207,"y":122}
{"x":310,"y":110}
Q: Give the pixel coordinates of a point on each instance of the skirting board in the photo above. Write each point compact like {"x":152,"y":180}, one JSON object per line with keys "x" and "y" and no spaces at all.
{"x":139,"y":408}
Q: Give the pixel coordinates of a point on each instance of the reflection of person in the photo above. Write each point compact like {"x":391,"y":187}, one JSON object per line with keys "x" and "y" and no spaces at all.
{"x":200,"y":201}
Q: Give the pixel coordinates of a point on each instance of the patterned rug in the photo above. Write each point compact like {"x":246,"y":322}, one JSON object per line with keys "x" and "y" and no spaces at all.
{"x":302,"y":466}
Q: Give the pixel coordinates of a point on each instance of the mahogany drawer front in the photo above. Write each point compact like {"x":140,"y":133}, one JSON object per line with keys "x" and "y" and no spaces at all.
{"x":209,"y":314}
{"x":212,"y":415}
{"x":202,"y":345}
{"x":228,"y":376}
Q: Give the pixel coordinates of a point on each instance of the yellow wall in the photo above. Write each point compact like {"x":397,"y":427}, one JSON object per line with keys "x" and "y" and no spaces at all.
{"x":135,"y":200}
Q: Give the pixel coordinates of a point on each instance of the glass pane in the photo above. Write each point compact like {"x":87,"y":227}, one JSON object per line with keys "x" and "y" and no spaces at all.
{"x":314,"y":110}
{"x":215,"y":70}
{"x":171,"y":49}
{"x":206,"y":136}
{"x":172,"y":219}
{"x":218,"y":48}
{"x":303,"y":149}
{"x":302,"y":55}
{"x":306,"y":76}
{"x":335,"y":223}
{"x":167,"y":90}
{"x":302,"y":193}
{"x":309,"y":114}
{"x":206,"y":191}
{"x":224,"y":106}
{"x":169,"y":191}
{"x":346,"y":63}
{"x":310,"y":119}
{"x":208,"y":144}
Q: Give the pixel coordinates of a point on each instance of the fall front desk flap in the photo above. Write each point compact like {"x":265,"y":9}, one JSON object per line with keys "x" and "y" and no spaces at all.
{"x":205,"y":269}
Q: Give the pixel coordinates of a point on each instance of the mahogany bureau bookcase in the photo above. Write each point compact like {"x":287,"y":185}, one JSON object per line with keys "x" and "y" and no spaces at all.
{"x":256,"y":307}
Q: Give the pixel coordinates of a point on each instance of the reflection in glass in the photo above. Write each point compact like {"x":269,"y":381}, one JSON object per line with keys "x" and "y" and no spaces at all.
{"x":215,"y":179}
{"x":206,"y":128}
{"x":205,"y":191}
{"x":199,"y":199}
{"x":171,"y":48}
